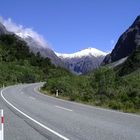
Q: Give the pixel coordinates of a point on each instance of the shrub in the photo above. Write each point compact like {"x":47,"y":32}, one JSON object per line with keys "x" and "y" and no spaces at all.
{"x":115,"y":105}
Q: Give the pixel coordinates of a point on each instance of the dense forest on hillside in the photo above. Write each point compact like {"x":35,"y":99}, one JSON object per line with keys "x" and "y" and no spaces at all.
{"x":117,"y":89}
{"x":19,"y":65}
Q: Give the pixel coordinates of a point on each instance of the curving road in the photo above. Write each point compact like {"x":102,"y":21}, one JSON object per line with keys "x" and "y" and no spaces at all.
{"x":30,"y":115}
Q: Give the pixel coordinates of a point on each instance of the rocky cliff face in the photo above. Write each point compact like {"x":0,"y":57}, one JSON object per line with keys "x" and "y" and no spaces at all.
{"x":84,"y":64}
{"x":3,"y":29}
{"x":126,"y":44}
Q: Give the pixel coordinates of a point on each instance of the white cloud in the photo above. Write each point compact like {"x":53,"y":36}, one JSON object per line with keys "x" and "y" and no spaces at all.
{"x":22,"y":31}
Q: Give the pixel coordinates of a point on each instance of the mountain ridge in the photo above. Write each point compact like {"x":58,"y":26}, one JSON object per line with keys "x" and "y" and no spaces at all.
{"x":85,"y":52}
{"x":80,"y":62}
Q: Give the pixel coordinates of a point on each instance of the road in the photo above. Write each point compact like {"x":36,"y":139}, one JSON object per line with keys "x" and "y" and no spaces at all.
{"x":30,"y":115}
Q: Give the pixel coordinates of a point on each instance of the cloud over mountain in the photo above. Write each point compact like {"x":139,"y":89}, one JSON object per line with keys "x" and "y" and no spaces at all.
{"x":22,"y":31}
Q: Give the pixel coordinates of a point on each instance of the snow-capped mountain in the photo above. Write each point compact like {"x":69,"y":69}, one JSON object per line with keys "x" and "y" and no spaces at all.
{"x":83,"y":61}
{"x":80,"y":62}
{"x":86,"y":52}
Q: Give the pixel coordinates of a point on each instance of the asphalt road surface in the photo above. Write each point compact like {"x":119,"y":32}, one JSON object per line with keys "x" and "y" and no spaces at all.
{"x":30,"y":115}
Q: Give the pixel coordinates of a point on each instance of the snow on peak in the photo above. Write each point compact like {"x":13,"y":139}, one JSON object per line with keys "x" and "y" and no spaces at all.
{"x":86,"y":52}
{"x":23,"y":32}
{"x":23,"y":35}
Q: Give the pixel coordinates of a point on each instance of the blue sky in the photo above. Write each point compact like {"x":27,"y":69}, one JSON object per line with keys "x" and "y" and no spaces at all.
{"x":72,"y":25}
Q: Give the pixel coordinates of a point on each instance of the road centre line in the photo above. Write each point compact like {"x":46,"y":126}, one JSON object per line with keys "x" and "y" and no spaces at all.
{"x":63,"y":108}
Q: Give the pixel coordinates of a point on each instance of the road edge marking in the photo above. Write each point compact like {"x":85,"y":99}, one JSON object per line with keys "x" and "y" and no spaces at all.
{"x":27,"y":116}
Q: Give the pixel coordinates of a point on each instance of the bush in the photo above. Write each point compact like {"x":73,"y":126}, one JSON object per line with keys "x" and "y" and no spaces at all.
{"x":115,"y":105}
{"x":103,"y":88}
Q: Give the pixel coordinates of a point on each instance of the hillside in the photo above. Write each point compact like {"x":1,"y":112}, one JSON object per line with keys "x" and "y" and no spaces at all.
{"x":34,"y":41}
{"x":102,"y":87}
{"x":117,"y":88}
{"x":19,"y":65}
{"x":131,"y":64}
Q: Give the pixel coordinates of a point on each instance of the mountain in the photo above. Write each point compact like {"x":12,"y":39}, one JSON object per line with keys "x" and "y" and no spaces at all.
{"x":45,"y":51}
{"x":126,"y":44}
{"x":80,"y":62}
{"x":34,"y":44}
{"x":3,"y":29}
{"x":83,"y":61}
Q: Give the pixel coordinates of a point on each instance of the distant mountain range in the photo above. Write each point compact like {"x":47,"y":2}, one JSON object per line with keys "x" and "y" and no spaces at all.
{"x":83,"y":61}
{"x":80,"y":62}
{"x":34,"y":45}
{"x":88,"y":59}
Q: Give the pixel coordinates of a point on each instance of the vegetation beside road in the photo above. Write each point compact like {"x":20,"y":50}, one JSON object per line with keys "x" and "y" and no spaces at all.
{"x":19,"y":65}
{"x":116,"y":89}
{"x":102,"y":88}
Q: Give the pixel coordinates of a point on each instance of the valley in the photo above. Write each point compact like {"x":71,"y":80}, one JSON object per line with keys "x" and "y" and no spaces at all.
{"x":98,"y":84}
{"x":69,"y":70}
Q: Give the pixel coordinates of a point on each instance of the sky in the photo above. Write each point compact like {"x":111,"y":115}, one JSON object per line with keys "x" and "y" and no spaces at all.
{"x":72,"y":25}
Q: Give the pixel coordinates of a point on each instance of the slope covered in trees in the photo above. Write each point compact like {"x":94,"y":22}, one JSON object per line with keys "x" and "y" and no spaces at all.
{"x":19,"y":65}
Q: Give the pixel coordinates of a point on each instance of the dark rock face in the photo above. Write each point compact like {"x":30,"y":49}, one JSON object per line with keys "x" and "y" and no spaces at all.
{"x":83,"y":64}
{"x":126,"y":44}
{"x":3,"y":29}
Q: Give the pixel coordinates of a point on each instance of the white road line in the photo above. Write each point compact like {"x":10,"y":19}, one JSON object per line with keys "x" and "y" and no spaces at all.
{"x":63,"y":108}
{"x":32,"y":98}
{"x":55,"y":106}
{"x":35,"y":121}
